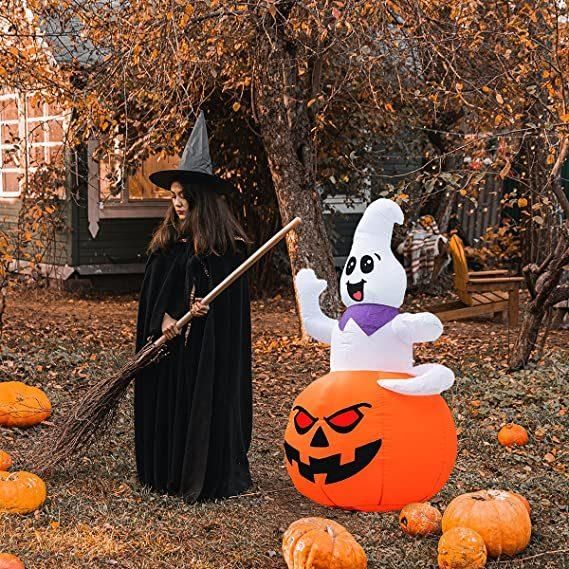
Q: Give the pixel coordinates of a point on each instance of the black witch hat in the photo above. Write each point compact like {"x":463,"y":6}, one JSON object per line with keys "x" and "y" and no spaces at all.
{"x":195,"y":166}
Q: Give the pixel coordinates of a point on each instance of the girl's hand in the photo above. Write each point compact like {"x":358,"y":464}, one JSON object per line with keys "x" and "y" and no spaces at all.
{"x":169,"y":328}
{"x":199,"y":309}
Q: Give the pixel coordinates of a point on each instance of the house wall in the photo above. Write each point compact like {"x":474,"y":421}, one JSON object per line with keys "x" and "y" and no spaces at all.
{"x":59,"y":252}
{"x":117,"y":241}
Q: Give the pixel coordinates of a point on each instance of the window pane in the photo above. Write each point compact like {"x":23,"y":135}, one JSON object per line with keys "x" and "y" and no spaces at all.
{"x":36,"y":132}
{"x":55,"y":131}
{"x":10,"y":133}
{"x":8,"y":109}
{"x":37,"y":155}
{"x":53,"y":109}
{"x":55,"y":154}
{"x":10,"y":181}
{"x":34,"y":107}
{"x":10,"y":158}
{"x":109,"y":191}
{"x":140,"y":187}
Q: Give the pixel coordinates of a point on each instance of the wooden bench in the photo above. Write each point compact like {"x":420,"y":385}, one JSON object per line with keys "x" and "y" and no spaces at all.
{"x":479,"y":292}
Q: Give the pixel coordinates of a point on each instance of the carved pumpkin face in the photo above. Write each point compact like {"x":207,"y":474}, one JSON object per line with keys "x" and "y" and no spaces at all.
{"x":352,"y":444}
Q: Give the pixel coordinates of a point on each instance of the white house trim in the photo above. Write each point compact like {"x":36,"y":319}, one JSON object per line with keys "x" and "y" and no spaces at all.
{"x":123,"y":209}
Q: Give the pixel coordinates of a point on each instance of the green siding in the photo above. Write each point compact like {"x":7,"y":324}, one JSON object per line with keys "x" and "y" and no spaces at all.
{"x":59,"y":252}
{"x":117,"y":241}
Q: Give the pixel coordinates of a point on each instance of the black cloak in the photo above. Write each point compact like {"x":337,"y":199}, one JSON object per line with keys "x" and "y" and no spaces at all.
{"x":193,"y":408}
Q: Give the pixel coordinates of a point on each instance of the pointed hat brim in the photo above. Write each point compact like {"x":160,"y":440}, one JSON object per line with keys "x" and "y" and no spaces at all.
{"x":197,"y":180}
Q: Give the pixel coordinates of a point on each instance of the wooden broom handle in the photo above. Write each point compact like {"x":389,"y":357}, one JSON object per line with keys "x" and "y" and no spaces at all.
{"x":232,"y":277}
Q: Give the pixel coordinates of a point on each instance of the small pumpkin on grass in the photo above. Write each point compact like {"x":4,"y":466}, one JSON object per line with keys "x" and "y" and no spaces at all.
{"x":21,"y":492}
{"x":461,"y":548}
{"x":9,"y":561}
{"x":22,"y":405}
{"x":512,"y":435}
{"x":5,"y":460}
{"x":318,"y":543}
{"x":500,"y":518}
{"x":420,"y":519}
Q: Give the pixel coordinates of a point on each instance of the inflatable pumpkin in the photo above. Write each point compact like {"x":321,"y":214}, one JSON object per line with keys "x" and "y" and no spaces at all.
{"x":353,"y":444}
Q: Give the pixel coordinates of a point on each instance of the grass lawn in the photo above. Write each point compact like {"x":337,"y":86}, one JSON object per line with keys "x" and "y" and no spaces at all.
{"x":97,"y":515}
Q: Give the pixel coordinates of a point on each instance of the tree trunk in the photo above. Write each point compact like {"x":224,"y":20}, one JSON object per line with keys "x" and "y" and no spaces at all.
{"x":445,"y":210}
{"x":546,"y":291}
{"x":544,"y":280}
{"x":281,"y":113}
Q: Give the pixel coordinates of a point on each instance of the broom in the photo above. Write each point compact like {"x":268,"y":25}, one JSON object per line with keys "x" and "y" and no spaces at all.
{"x":101,"y":400}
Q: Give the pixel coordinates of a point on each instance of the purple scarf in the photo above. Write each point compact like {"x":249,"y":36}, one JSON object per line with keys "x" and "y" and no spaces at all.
{"x":369,"y":317}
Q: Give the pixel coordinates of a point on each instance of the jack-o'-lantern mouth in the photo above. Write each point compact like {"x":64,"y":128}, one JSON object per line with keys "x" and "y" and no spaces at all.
{"x":356,"y":290}
{"x":330,"y":465}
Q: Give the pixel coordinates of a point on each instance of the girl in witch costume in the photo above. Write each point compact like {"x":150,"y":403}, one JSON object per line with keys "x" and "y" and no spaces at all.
{"x":193,"y":408}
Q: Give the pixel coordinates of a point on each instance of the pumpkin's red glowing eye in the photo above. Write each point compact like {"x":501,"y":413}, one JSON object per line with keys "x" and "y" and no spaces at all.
{"x":303,"y":421}
{"x":345,"y":419}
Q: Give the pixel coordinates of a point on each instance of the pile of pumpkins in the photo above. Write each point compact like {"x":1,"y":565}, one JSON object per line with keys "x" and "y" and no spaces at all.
{"x":21,"y":492}
{"x":475,"y":526}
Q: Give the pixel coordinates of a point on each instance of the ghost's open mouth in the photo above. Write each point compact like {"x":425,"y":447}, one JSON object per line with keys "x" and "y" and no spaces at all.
{"x":335,"y":472}
{"x":356,"y":290}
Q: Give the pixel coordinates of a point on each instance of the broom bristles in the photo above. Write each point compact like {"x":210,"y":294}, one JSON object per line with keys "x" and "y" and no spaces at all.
{"x":95,"y":410}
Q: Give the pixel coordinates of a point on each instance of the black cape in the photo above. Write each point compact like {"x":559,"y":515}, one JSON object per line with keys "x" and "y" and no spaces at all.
{"x":193,"y":409}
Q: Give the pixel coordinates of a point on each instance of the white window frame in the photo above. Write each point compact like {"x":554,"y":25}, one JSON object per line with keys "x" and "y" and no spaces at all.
{"x":23,"y":121}
{"x":20,"y":121}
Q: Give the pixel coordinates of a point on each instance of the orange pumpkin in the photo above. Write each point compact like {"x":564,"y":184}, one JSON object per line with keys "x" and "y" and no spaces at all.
{"x":461,"y":548}
{"x":498,"y":516}
{"x":5,"y":460}
{"x":318,"y":543}
{"x":420,"y":519}
{"x":21,"y":492}
{"x":512,"y":435}
{"x":352,"y":444}
{"x":9,"y":561}
{"x":22,"y":405}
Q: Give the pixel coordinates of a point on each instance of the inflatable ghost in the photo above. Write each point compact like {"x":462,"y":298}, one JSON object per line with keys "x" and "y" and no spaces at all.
{"x":372,"y":334}
{"x":373,"y":434}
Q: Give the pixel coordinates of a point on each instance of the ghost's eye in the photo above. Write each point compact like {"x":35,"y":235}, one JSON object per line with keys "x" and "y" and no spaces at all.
{"x":303,"y":421}
{"x":366,"y":264}
{"x":351,"y":266}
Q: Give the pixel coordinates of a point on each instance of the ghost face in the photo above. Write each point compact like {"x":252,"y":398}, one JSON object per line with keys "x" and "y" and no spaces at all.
{"x":372,"y":275}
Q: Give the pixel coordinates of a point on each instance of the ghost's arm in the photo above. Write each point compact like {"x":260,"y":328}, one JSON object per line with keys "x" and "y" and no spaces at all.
{"x":309,"y":289}
{"x":416,"y":328}
{"x":428,"y":379}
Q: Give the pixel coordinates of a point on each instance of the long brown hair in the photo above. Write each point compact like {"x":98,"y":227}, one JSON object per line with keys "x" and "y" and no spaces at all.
{"x":210,"y":225}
